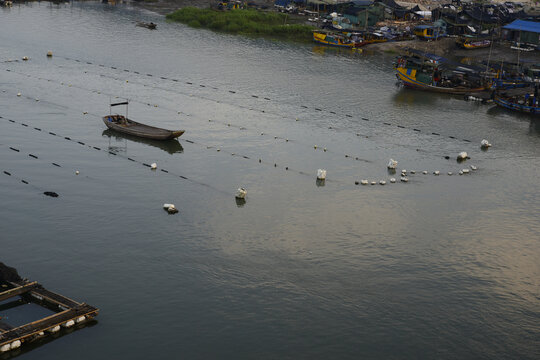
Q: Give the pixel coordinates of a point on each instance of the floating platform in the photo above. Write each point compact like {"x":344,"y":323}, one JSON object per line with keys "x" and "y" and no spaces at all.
{"x":68,"y":313}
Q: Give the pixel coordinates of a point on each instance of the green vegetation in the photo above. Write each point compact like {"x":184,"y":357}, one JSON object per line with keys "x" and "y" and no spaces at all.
{"x":245,"y":22}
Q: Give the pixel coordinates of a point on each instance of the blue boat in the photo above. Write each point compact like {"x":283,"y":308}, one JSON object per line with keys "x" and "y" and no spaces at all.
{"x":525,"y":102}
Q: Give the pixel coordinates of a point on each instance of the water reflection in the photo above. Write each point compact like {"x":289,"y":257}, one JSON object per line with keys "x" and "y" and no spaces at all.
{"x":171,"y":146}
{"x":240,"y":202}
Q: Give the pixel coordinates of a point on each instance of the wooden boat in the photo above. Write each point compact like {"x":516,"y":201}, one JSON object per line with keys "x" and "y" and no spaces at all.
{"x":149,"y":25}
{"x":171,"y":146}
{"x":424,"y":71}
{"x":469,"y":42}
{"x":524,"y":102}
{"x":124,"y":125}
{"x":333,"y":39}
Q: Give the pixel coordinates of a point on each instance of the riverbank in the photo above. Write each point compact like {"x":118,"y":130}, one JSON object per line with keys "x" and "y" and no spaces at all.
{"x":447,"y":47}
{"x":244,"y":22}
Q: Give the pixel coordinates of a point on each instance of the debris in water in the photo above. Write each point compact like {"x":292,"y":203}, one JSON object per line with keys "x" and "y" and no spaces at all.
{"x":473,"y":167}
{"x":484,"y":144}
{"x":153,"y":166}
{"x":170,"y":208}
{"x":404,"y":179}
{"x":241,"y":193}
{"x":382,"y":182}
{"x":49,"y":53}
{"x":321,"y":174}
{"x":364,"y":182}
{"x":462,"y":156}
{"x":51,"y":193}
{"x":392,"y":180}
{"x":436,"y":172}
{"x":392,"y":164}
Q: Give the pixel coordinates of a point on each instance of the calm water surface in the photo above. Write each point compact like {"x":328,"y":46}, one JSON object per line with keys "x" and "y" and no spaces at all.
{"x":440,"y":267}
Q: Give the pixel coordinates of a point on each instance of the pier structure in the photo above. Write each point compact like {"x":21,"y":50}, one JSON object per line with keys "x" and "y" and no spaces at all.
{"x":68,"y":313}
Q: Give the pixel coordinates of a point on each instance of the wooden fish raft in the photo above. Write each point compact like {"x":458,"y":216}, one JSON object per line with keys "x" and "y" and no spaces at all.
{"x":70,"y":313}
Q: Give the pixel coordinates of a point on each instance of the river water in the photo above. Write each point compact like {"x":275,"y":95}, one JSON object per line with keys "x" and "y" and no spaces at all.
{"x":439,"y":267}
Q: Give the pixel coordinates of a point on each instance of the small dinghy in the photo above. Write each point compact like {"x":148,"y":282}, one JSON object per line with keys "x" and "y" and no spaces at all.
{"x":149,"y":25}
{"x":124,"y":125}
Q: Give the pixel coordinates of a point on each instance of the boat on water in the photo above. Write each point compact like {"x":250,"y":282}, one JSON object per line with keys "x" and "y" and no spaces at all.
{"x":149,"y":25}
{"x":430,"y":72}
{"x":338,"y":40}
{"x":521,"y":100}
{"x":124,"y":125}
{"x":470,"y":42}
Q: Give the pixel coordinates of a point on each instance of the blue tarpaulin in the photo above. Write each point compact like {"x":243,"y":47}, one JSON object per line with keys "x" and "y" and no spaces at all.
{"x":522,"y":25}
{"x":282,"y":2}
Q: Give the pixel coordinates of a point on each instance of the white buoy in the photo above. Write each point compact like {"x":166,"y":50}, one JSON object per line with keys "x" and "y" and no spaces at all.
{"x":382,"y":182}
{"x":465,"y":171}
{"x":41,"y":333}
{"x":55,"y":329}
{"x":80,"y":319}
{"x":171,"y":209}
{"x":18,"y":94}
{"x":70,"y":323}
{"x":450,"y":173}
{"x":49,"y":53}
{"x":392,"y":164}
{"x":241,"y":193}
{"x":460,"y":172}
{"x":436,"y":172}
{"x":413,"y":172}
{"x":462,"y":156}
{"x":5,"y":348}
{"x":364,"y":182}
{"x":484,"y":144}
{"x":424,"y":172}
{"x":373,"y":183}
{"x":403,"y":171}
{"x":76,"y":172}
{"x":404,"y":179}
{"x":25,"y":58}
{"x":473,"y":167}
{"x":153,"y":166}
{"x":16,"y":344}
{"x":392,"y":180}
{"x":321,"y":174}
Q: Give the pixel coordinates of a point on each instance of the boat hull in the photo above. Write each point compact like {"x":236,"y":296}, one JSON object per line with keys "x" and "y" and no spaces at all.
{"x":140,"y":130}
{"x":507,"y":104}
{"x":323,"y":39}
{"x":407,"y":77}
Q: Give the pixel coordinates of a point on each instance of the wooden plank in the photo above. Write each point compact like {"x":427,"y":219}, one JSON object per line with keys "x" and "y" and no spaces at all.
{"x":17,"y":291}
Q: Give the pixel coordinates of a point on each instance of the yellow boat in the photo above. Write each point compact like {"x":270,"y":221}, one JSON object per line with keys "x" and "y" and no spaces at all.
{"x":333,"y":39}
{"x":424,"y":71}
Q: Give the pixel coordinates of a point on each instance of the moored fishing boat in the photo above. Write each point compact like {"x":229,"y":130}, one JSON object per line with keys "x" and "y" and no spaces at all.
{"x":434,"y":73}
{"x":337,"y":40}
{"x":124,"y":125}
{"x":523,"y":101}
{"x":470,"y":42}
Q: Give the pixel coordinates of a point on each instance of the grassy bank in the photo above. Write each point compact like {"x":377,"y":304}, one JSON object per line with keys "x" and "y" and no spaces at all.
{"x":245,"y":22}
